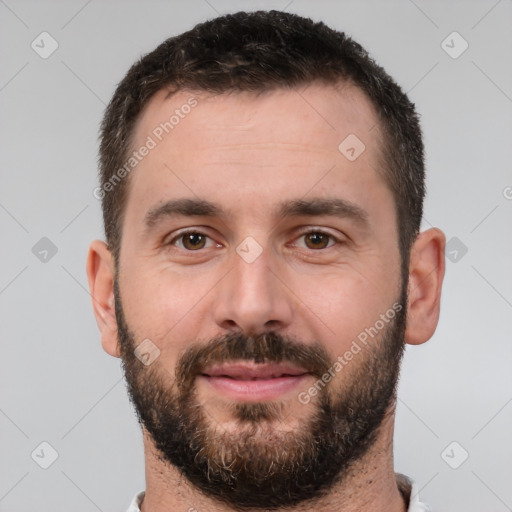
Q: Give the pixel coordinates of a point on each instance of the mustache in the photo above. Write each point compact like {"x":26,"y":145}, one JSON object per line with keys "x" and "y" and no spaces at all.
{"x":269,"y":347}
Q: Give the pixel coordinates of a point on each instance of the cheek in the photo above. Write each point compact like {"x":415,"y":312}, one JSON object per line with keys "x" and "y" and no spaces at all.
{"x":158,"y":306}
{"x":173,"y":309}
{"x":345,"y":301}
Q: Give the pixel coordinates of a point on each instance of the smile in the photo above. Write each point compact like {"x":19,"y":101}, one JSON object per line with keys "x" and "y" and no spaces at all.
{"x":254,"y":382}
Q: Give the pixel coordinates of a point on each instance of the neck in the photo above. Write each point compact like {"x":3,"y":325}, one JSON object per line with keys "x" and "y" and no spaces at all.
{"x":369,"y":485}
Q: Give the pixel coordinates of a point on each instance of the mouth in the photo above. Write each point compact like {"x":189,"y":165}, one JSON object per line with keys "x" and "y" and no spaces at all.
{"x":247,"y":381}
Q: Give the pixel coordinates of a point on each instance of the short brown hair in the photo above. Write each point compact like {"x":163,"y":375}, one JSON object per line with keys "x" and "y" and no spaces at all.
{"x":261,"y":51}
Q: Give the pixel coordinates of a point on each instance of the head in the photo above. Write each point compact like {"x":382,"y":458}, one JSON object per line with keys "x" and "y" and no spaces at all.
{"x":258,"y":52}
{"x":262,"y":185}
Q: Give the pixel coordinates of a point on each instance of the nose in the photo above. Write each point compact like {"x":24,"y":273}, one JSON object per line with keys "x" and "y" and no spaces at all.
{"x":253,"y":297}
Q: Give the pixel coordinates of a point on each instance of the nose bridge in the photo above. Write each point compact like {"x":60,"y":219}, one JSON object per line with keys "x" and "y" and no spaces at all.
{"x":252,"y":298}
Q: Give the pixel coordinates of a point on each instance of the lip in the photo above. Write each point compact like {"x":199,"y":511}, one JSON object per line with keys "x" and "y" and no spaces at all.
{"x":254,"y":371}
{"x":254,"y":382}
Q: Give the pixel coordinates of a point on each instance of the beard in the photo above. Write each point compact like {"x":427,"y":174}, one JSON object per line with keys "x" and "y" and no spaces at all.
{"x":258,"y":464}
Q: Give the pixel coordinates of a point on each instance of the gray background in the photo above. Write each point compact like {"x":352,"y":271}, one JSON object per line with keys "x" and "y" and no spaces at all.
{"x":56,"y":383}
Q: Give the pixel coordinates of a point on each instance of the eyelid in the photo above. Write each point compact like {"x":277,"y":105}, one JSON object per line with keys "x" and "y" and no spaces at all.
{"x":312,"y":229}
{"x":179,"y":235}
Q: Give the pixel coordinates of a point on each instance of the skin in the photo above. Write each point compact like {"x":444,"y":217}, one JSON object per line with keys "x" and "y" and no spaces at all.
{"x":248,"y":153}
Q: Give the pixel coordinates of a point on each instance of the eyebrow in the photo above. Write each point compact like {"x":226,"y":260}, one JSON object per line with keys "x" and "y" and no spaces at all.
{"x":181,"y":207}
{"x":315,"y":207}
{"x":334,"y":207}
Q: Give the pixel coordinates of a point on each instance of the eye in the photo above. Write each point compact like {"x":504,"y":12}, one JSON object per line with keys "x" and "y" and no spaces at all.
{"x":191,"y":240}
{"x":318,"y":239}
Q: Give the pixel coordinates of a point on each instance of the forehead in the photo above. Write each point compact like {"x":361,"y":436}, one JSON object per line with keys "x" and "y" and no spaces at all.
{"x":286,"y":115}
{"x":279,"y":143}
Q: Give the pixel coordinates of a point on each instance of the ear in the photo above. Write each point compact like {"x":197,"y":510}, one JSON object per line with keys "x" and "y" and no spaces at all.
{"x":100,"y":273}
{"x":426,"y":273}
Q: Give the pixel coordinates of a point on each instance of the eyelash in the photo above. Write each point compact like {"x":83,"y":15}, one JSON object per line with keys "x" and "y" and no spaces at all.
{"x":197,"y":232}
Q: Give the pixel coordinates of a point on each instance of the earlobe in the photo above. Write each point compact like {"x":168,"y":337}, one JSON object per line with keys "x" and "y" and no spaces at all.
{"x":100,"y":274}
{"x":426,"y":273}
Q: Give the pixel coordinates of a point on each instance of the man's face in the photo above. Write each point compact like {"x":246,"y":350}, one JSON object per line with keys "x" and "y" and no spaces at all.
{"x":252,"y":305}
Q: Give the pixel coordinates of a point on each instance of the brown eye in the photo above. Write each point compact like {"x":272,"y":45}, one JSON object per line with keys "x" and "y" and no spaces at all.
{"x":317,"y":240}
{"x":191,"y":241}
